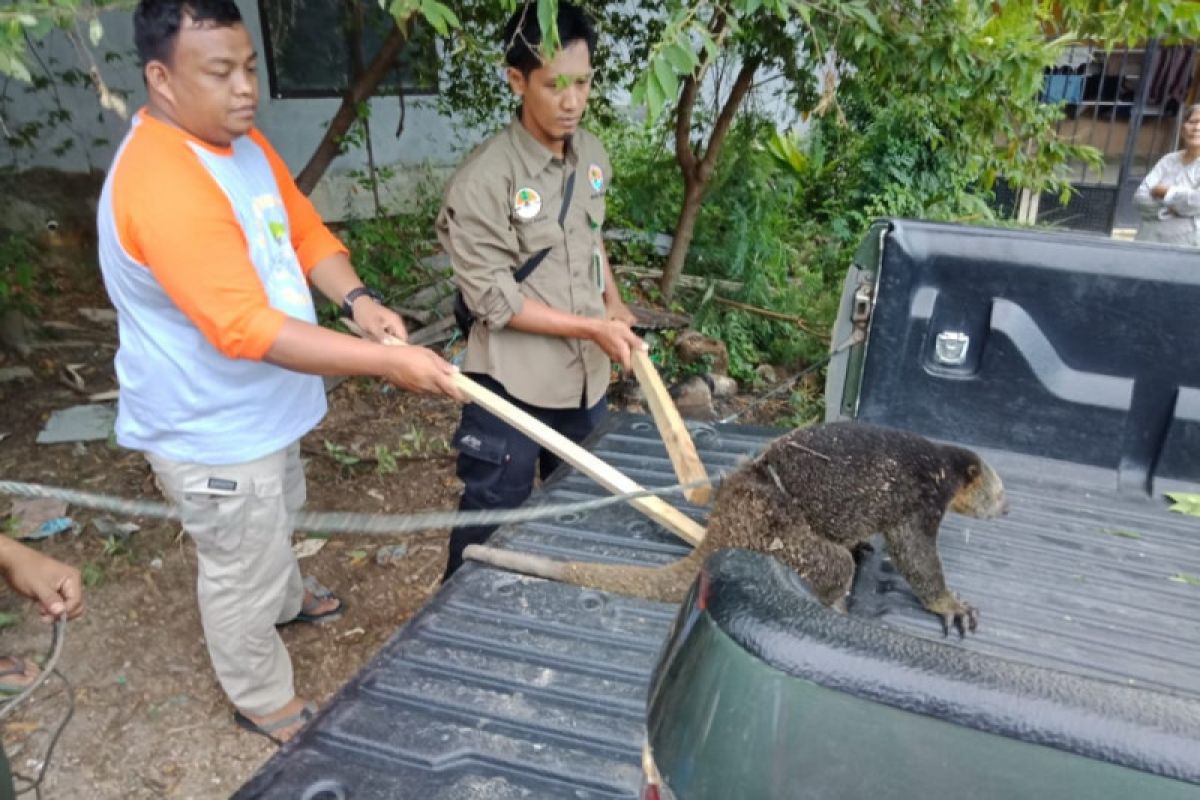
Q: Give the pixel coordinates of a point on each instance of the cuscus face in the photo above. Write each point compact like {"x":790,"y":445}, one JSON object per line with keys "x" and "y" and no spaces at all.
{"x":983,"y":495}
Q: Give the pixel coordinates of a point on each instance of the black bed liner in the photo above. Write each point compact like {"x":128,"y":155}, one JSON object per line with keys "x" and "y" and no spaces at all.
{"x":1075,"y":577}
{"x":505,"y":686}
{"x":511,"y":687}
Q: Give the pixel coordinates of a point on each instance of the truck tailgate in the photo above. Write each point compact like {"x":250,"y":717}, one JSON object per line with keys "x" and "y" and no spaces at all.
{"x":504,"y":686}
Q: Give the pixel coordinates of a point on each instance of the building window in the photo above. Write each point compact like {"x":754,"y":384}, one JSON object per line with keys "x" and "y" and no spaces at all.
{"x":316,"y":47}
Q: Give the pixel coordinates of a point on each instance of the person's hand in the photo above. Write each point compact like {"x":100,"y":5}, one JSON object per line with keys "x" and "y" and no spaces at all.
{"x":617,"y":340}
{"x":416,"y":369}
{"x":53,"y":585}
{"x":378,"y":321}
{"x":617,"y":310}
{"x":1159,"y":192}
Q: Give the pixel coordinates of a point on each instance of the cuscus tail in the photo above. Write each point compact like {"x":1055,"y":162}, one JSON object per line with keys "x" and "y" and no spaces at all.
{"x":668,"y":583}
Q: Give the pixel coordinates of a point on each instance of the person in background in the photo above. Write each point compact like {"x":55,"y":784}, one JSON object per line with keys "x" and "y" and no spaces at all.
{"x":1169,"y":197}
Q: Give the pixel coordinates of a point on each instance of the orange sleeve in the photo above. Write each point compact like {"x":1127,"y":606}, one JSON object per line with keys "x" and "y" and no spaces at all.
{"x":312,"y":241}
{"x":172,"y":217}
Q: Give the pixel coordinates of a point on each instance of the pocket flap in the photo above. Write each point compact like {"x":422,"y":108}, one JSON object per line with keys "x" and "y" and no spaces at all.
{"x":477,"y":444}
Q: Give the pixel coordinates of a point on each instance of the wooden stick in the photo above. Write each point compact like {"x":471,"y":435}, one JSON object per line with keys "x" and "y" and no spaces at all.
{"x":688,"y":467}
{"x":586,"y":462}
{"x":769,"y":314}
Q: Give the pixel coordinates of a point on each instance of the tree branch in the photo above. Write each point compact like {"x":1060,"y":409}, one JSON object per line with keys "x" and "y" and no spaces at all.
{"x":687,"y":105}
{"x":683,"y":126}
{"x":362,"y":89}
{"x":741,"y":86}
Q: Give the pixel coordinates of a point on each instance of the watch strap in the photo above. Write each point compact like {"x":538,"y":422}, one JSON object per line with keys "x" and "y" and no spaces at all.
{"x":354,"y":294}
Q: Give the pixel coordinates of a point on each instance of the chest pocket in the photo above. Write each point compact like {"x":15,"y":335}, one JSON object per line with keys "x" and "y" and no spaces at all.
{"x":533,"y":237}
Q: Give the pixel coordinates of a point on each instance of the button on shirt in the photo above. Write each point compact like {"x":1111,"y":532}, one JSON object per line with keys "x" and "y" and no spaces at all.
{"x":500,"y":208}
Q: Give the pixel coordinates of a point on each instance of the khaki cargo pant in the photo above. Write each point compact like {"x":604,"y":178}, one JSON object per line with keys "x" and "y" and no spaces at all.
{"x":241,"y":518}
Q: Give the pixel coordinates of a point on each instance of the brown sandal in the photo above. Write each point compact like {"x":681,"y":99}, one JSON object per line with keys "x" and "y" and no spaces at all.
{"x":269,"y":729}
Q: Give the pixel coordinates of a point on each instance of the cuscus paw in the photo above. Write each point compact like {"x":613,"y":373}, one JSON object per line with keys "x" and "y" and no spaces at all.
{"x":955,"y":613}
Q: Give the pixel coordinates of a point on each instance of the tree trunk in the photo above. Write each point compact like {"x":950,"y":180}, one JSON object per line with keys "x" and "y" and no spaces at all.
{"x":698,"y":170}
{"x":364,"y":87}
{"x":685,"y":228}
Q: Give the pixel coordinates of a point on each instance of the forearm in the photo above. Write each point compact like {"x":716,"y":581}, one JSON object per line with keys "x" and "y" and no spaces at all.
{"x":1143,"y":199}
{"x":10,"y":550}
{"x":1183,"y":201}
{"x":334,"y":276}
{"x":537,"y":317}
{"x":303,"y":347}
{"x":612,"y":292}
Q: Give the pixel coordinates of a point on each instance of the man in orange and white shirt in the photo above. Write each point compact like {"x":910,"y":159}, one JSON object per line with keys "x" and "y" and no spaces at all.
{"x":207,"y":248}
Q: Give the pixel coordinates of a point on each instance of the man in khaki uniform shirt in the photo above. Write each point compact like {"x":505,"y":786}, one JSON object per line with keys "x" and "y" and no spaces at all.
{"x":545,"y":342}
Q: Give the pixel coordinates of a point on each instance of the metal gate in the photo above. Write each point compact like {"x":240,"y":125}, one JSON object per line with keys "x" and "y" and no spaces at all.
{"x":1128,"y":104}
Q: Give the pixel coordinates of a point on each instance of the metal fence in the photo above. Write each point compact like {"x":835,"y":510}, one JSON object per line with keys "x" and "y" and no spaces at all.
{"x":1127,"y":103}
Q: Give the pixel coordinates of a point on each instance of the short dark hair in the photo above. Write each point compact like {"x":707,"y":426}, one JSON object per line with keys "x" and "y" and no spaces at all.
{"x":523,"y":34}
{"x":156,"y":23}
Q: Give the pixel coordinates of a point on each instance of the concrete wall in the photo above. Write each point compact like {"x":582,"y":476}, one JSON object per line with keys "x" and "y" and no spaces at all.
{"x":430,"y":142}
{"x":430,"y":145}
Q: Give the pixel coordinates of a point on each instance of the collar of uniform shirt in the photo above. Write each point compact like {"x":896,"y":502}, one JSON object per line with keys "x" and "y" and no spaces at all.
{"x":533,"y":153}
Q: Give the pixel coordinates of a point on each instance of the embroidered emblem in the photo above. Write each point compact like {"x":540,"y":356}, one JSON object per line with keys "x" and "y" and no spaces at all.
{"x":527,"y":203}
{"x":596,"y":176}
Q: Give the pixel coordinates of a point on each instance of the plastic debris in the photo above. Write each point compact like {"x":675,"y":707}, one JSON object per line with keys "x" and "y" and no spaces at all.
{"x":53,"y":527}
{"x":109,"y":528}
{"x":39,"y":517}
{"x":390,"y":554}
{"x":87,"y":423}
{"x":308,"y":547}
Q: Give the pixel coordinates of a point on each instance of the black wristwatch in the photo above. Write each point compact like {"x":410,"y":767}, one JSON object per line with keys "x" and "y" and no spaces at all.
{"x":354,"y":294}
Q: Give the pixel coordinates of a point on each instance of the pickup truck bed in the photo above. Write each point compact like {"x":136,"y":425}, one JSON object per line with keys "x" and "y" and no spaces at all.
{"x":511,"y":687}
{"x":1074,"y":578}
{"x":1071,"y":364}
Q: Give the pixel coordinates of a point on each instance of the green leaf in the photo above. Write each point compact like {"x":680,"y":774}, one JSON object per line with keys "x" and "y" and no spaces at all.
{"x":655,"y":97}
{"x":7,"y":619}
{"x":1185,"y":503}
{"x":1182,"y":577}
{"x":666,"y":78}
{"x":682,"y":58}
{"x":439,"y":16}
{"x":1122,"y":533}
{"x":95,"y":32}
{"x":637,"y":95}
{"x":547,"y":11}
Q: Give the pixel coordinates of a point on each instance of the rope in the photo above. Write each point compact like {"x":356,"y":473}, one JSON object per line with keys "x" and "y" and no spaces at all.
{"x":56,"y":645}
{"x":58,"y":637}
{"x":347,"y":521}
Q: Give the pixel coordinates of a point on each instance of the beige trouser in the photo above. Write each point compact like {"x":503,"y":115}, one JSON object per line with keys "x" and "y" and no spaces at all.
{"x":241,"y":518}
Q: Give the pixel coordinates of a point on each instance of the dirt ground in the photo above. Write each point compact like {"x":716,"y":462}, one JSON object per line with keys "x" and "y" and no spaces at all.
{"x":150,"y":720}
